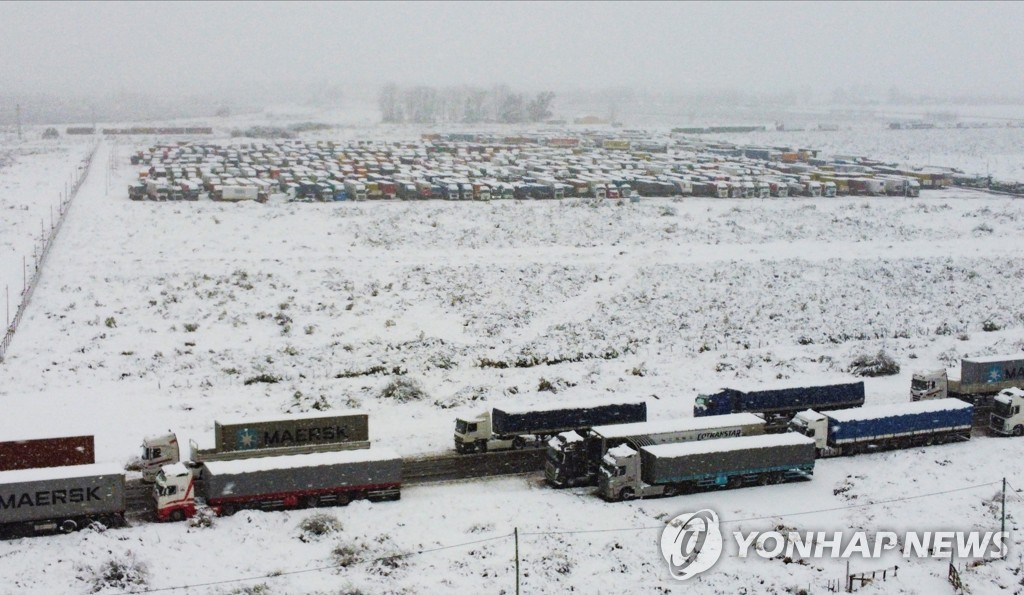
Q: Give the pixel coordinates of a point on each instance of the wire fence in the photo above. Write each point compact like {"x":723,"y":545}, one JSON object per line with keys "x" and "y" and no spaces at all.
{"x":42,"y":251}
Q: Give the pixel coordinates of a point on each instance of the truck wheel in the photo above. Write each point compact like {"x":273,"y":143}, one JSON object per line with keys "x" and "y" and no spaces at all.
{"x":1018,"y":431}
{"x":312,"y":501}
{"x":734,"y":482}
{"x":518,"y":443}
{"x":177,"y":515}
{"x":626,"y":494}
{"x":228,"y":510}
{"x":69,"y":526}
{"x":481,"y":446}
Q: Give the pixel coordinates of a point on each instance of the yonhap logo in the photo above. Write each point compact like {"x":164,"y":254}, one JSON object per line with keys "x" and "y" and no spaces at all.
{"x":691,"y":543}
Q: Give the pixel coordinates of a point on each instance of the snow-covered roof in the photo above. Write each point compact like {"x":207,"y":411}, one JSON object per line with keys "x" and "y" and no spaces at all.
{"x":681,"y":449}
{"x":298,"y":461}
{"x":175,"y":469}
{"x":686,"y":424}
{"x":522,"y":408}
{"x":1006,"y":396}
{"x":68,"y":472}
{"x":911,"y":408}
{"x":621,"y":450}
{"x":995,"y":359}
{"x":238,"y":421}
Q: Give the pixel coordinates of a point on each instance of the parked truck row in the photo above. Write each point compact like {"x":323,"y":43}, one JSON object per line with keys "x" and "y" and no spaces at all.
{"x":51,"y":485}
{"x":507,"y":168}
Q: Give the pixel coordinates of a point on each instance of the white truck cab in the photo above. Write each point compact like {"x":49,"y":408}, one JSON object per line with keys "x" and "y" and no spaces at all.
{"x":814,"y":425}
{"x":475,"y":434}
{"x":932,"y":384}
{"x":1007,"y":419}
{"x":174,"y":492}
{"x":158,"y":451}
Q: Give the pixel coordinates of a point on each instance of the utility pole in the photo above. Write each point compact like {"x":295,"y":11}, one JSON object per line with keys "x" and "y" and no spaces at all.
{"x":1003,"y":526}
{"x":17,"y":117}
{"x":516,"y":560}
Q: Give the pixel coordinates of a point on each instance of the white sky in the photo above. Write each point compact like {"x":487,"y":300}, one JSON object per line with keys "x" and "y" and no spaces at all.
{"x":967,"y":48}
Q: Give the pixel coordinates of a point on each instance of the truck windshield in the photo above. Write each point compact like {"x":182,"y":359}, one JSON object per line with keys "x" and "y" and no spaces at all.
{"x":461,"y":426}
{"x":920,"y":384}
{"x":555,"y":456}
{"x":1002,"y":409}
{"x":701,"y":402}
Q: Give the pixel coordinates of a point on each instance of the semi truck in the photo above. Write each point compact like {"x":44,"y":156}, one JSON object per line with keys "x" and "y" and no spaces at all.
{"x":47,"y":452}
{"x":503,"y":428}
{"x":980,"y":379}
{"x":1006,"y":418}
{"x":573,"y":459}
{"x":671,"y":469}
{"x":289,"y":481}
{"x":780,"y":405}
{"x":61,"y":499}
{"x":248,"y":438}
{"x":882,"y":427}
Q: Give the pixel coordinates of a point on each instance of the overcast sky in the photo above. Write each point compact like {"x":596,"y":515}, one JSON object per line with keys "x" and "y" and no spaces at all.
{"x":178,"y":47}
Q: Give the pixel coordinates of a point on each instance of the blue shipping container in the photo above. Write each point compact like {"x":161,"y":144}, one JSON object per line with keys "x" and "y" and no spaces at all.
{"x":898,"y":420}
{"x":781,"y":401}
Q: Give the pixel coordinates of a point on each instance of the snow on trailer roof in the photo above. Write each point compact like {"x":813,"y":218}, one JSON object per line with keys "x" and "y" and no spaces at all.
{"x":894,"y":409}
{"x":68,"y":472}
{"x":299,"y":461}
{"x":682,"y":449}
{"x":994,"y":359}
{"x":685,"y":424}
{"x":519,"y":408}
{"x":238,"y":421}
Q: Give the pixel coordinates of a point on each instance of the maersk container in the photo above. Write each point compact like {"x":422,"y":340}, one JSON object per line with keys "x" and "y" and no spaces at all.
{"x":298,"y":430}
{"x":718,"y":460}
{"x":991,"y":370}
{"x":47,"y":452}
{"x":557,"y":419}
{"x":781,"y":402}
{"x":64,"y":497}
{"x":866,"y":424}
{"x":354,"y":473}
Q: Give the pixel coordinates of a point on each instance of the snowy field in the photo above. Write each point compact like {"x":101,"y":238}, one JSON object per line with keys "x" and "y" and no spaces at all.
{"x":153,"y":316}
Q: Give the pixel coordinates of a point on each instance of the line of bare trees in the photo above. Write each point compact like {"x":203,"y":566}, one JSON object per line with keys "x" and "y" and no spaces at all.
{"x":422,"y":104}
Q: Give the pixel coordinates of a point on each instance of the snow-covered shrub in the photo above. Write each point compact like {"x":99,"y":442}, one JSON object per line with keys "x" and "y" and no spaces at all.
{"x":317,"y":526}
{"x":121,"y":573}
{"x":879,"y":364}
{"x":204,"y":518}
{"x":404,"y":389}
{"x":990,"y":325}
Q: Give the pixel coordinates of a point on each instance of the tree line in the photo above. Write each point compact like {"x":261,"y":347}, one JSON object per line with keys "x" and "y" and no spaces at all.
{"x":421,"y":104}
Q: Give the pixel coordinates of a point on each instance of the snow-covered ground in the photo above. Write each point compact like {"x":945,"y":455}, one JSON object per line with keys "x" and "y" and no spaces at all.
{"x":33,"y":176}
{"x":152,"y":316}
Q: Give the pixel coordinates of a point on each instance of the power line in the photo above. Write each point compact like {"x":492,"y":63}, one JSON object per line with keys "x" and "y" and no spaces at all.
{"x":790,"y":514}
{"x":317,"y":569}
{"x":568,"y":532}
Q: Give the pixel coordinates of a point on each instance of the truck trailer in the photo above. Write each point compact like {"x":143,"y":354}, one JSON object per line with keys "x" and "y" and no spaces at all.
{"x":504,"y":428}
{"x":781,"y":404}
{"x":882,"y":427}
{"x":47,"y":452}
{"x":979,"y":380}
{"x":290,"y":481}
{"x":670,"y":469}
{"x":247,"y":438}
{"x":573,"y":459}
{"x":61,"y":499}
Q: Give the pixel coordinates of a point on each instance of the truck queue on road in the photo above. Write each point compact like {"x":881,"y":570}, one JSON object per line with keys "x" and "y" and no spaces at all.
{"x":54,"y":485}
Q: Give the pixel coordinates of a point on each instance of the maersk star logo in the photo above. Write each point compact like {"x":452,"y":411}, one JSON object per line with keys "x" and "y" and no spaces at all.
{"x":245,"y":439}
{"x":995,"y":374}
